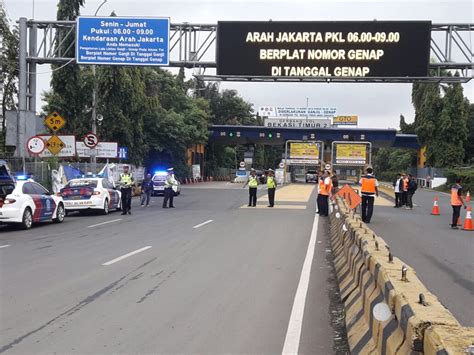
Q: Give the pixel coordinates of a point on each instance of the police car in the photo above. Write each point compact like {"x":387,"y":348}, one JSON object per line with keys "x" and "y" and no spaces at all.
{"x":159,"y":179}
{"x":26,"y":202}
{"x":94,"y":193}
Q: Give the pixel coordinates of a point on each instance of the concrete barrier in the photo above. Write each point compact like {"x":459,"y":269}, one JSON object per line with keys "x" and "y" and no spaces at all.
{"x":368,"y":274}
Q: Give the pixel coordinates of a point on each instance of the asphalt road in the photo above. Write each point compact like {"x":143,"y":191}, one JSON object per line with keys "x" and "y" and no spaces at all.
{"x":227,"y":286}
{"x":442,"y":257}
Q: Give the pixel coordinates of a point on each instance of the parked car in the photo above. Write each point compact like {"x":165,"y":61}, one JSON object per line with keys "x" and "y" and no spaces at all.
{"x":159,"y":179}
{"x":311,"y":176}
{"x":25,"y":202}
{"x":91,"y":194}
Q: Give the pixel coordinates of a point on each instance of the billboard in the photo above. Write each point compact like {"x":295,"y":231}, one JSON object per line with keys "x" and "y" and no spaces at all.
{"x":122,"y":41}
{"x":321,"y":49}
{"x":304,"y":151}
{"x":301,"y":112}
{"x":351,"y":154}
{"x":297,"y":123}
{"x":345,"y":120}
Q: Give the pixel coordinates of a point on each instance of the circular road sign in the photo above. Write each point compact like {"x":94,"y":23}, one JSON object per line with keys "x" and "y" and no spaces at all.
{"x":91,"y":140}
{"x":242,"y":164}
{"x":35,"y":145}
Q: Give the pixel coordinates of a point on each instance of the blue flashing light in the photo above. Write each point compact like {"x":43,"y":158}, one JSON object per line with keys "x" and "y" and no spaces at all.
{"x":161,"y":173}
{"x":21,"y":177}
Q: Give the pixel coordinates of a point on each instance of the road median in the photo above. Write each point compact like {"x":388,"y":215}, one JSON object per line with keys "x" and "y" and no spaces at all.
{"x":370,"y":275}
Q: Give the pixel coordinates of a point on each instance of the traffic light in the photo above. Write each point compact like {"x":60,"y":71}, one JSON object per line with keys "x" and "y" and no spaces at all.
{"x":231,"y":134}
{"x":270,"y":135}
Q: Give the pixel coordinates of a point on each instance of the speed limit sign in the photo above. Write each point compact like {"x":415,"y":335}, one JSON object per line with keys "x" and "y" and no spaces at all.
{"x":91,"y":140}
{"x":35,"y":145}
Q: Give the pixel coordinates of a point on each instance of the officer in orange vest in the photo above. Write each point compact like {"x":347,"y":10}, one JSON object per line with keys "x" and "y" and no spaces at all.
{"x":369,"y":190}
{"x":456,"y":202}
{"x":404,"y":189}
{"x":325,"y":187}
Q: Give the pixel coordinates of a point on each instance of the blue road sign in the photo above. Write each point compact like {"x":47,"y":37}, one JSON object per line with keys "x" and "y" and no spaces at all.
{"x":122,"y":41}
{"x":123,"y":153}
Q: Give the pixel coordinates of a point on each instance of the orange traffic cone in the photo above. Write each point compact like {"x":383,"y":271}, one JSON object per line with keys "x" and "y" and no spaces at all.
{"x":468,"y":197}
{"x":468,"y":221}
{"x":435,"y":209}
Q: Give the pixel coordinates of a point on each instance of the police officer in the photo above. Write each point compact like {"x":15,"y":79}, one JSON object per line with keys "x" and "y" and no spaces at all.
{"x":271,"y":187}
{"x":325,"y":187}
{"x":456,"y":202}
{"x":253,"y":183}
{"x":126,"y":181}
{"x":369,"y":189}
{"x":170,"y":185}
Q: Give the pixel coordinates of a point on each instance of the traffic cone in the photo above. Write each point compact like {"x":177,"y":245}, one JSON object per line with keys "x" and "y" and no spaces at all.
{"x":468,"y":197}
{"x":468,"y":221}
{"x":435,"y":209}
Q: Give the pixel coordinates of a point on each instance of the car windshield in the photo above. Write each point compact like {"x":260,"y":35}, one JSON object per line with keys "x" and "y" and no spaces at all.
{"x":82,"y":183}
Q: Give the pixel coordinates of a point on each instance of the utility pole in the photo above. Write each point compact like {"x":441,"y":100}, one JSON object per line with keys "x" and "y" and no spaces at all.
{"x":94,"y":102}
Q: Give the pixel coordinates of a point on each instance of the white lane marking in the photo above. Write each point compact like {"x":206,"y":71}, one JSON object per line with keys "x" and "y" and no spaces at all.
{"x":293,"y":334}
{"x":203,"y":224}
{"x":125,"y":256}
{"x":4,"y":246}
{"x":100,"y":224}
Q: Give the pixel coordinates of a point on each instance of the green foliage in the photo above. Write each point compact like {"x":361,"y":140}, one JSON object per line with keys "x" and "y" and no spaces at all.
{"x":442,"y":123}
{"x":388,"y":162}
{"x":8,"y":69}
{"x":451,"y":128}
{"x":406,"y":128}
{"x":469,"y":145}
{"x":466,"y":174}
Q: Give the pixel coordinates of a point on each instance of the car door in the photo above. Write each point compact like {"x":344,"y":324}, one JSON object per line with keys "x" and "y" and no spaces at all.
{"x":113,"y":194}
{"x":29,"y":190}
{"x":48,"y":205}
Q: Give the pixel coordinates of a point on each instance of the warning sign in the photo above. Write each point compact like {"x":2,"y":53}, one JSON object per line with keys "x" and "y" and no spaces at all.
{"x":351,"y":197}
{"x":304,"y":150}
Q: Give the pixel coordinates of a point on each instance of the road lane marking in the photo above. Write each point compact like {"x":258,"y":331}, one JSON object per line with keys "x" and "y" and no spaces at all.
{"x":203,"y":224}
{"x":281,"y":207}
{"x":4,"y":246}
{"x":125,"y":256}
{"x":100,"y":224}
{"x":293,"y":334}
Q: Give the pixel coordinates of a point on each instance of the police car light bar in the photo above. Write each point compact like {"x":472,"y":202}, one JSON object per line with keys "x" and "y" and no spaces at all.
{"x":161,"y":173}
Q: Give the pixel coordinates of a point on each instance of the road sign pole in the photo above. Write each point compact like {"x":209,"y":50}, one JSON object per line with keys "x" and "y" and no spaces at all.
{"x":94,"y":116}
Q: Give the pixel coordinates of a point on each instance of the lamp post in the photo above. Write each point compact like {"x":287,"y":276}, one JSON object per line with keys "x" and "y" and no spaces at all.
{"x":94,"y":101}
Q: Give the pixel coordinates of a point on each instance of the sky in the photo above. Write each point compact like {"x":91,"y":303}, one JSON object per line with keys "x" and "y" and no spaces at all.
{"x":377,"y":105}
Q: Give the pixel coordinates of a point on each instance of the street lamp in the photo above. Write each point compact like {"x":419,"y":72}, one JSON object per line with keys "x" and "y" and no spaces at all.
{"x":94,"y":98}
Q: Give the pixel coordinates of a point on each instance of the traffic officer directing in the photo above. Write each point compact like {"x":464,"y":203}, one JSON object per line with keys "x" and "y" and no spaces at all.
{"x":456,"y":202}
{"x":369,"y":190}
{"x":170,"y":185}
{"x":325,"y":187}
{"x":126,"y":181}
{"x":253,"y":183}
{"x":271,"y":187}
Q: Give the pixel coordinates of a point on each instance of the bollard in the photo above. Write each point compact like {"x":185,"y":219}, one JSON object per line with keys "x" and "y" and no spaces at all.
{"x":404,"y":273}
{"x":390,"y":258}
{"x":377,"y":245}
{"x":422,"y":300}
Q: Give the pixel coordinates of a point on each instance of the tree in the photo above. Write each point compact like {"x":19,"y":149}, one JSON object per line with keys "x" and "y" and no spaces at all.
{"x":452,"y":131}
{"x":406,"y":128}
{"x":8,"y":69}
{"x":469,"y":145}
{"x":71,"y":93}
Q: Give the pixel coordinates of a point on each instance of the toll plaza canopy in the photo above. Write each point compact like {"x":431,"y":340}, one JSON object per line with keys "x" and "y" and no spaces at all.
{"x":223,"y":134}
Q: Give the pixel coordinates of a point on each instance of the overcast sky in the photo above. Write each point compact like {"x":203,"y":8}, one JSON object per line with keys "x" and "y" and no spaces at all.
{"x":378,"y":105}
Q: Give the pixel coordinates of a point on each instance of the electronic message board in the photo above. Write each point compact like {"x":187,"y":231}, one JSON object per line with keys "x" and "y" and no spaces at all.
{"x":323,"y":49}
{"x":122,"y":41}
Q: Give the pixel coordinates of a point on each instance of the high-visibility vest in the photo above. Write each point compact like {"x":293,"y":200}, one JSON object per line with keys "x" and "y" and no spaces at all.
{"x":455,"y":199}
{"x":405,"y":184}
{"x":253,"y":182}
{"x":368,"y":185}
{"x":322,"y":188}
{"x":271,"y":182}
{"x":170,"y":181}
{"x":126,"y":179}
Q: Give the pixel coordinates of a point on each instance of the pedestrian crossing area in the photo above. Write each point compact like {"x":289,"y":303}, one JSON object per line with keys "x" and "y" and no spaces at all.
{"x":291,"y":197}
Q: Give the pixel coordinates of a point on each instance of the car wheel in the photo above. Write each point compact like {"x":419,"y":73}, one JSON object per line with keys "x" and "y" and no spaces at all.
{"x":27,"y":220}
{"x":106,"y":207}
{"x":60,"y":214}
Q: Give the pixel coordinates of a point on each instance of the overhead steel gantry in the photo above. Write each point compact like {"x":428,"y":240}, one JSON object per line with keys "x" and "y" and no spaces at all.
{"x":193,"y":46}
